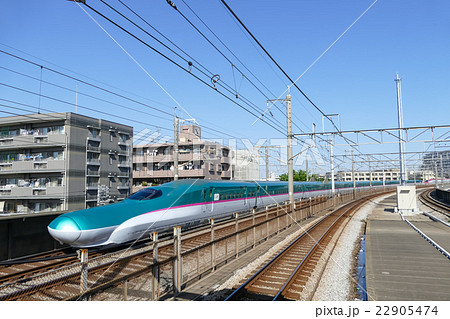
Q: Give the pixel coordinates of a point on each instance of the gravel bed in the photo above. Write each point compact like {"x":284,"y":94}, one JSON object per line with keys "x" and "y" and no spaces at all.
{"x":240,"y":274}
{"x":337,"y":281}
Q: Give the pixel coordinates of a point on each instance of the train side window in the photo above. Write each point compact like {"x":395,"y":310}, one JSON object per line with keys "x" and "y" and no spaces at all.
{"x":221,"y":196}
{"x":210,"y":193}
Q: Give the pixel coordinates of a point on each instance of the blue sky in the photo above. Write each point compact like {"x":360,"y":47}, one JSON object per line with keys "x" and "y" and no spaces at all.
{"x":355,"y":78}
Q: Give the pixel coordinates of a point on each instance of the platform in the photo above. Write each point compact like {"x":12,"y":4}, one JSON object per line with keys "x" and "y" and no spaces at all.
{"x":400,"y":264}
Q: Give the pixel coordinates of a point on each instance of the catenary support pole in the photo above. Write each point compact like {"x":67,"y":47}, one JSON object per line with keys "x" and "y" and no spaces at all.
{"x":83,"y":256}
{"x":175,"y":146}
{"x":177,"y":260}
{"x":155,"y":269}
{"x":290,"y":160}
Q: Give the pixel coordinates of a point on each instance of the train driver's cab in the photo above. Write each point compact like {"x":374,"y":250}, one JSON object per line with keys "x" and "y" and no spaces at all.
{"x":146,"y":194}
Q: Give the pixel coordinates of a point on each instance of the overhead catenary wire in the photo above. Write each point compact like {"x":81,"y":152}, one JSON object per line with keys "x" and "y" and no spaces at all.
{"x":179,"y":66}
{"x":84,"y":82}
{"x":234,"y":55}
{"x":211,"y":74}
{"x":350,"y":142}
{"x":87,"y":95}
{"x":276,"y":63}
{"x":83,"y":107}
{"x":83,"y":75}
{"x":221,"y":53}
{"x":100,"y":88}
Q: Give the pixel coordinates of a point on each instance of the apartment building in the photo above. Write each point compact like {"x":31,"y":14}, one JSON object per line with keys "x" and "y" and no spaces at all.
{"x":62,"y":161}
{"x":247,"y":166}
{"x":154,"y":163}
{"x":375,"y":175}
{"x":438,"y":163}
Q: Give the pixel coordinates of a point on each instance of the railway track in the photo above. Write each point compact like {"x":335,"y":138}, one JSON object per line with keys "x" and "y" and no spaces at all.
{"x":285,"y":276}
{"x":29,"y":281}
{"x":426,"y":198}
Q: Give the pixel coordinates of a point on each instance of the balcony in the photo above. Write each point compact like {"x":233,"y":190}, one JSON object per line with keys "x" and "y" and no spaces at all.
{"x":14,"y":191}
{"x":225,"y":160}
{"x":92,"y":186}
{"x":93,"y":174}
{"x":93,"y":161}
{"x":169,"y":173}
{"x":226,"y":174}
{"x":94,"y":139}
{"x":93,"y":149}
{"x":124,"y":164}
{"x":32,"y":165}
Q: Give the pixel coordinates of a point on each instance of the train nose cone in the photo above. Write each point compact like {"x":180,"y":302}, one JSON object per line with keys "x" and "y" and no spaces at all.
{"x":64,"y":229}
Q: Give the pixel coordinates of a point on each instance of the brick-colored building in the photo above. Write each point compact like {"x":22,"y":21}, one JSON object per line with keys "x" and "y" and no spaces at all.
{"x":154,"y":163}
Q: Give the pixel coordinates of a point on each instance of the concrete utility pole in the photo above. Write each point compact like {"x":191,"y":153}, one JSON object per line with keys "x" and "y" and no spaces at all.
{"x":435,"y":173}
{"x":400,"y":132}
{"x":290,"y":160}
{"x":175,"y":146}
{"x":306,"y":168}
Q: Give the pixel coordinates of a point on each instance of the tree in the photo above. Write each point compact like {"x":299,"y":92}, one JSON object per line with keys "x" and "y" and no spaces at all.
{"x":299,"y":176}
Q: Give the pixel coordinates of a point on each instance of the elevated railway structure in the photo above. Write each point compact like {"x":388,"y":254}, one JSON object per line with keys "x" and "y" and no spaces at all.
{"x":285,"y":276}
{"x":160,"y":267}
{"x":407,"y":255}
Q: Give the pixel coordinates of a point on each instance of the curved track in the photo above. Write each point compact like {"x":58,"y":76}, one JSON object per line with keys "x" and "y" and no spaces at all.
{"x":434,"y":204}
{"x":28,"y":281}
{"x":285,"y":276}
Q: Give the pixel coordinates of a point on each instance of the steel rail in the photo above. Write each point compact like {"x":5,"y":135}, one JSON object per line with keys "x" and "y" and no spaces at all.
{"x":434,"y":204}
{"x":347,"y":209}
{"x":241,"y":289}
{"x":281,"y":293}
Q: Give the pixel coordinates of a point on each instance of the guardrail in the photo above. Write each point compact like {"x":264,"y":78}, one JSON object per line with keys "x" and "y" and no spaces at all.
{"x":162,"y":276}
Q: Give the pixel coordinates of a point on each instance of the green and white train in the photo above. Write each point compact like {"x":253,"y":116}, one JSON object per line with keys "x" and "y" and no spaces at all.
{"x":176,"y":203}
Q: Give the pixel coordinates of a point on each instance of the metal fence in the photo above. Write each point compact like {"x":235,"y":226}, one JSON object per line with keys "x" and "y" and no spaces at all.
{"x":164,"y":269}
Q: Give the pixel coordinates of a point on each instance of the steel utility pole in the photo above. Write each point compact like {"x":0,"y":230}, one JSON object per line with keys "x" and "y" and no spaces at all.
{"x":400,"y":133}
{"x":290,"y":160}
{"x":175,"y":146}
{"x":353,"y":175}
{"x":332,"y":166}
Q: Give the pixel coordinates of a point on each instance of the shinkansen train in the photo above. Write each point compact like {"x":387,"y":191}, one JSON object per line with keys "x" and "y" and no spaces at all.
{"x":176,"y":203}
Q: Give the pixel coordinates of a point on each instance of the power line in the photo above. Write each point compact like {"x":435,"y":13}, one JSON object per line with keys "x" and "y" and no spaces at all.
{"x":80,"y":106}
{"x":83,"y":75}
{"x":97,"y":87}
{"x":84,"y":82}
{"x":276,"y":63}
{"x":221,"y":53}
{"x":84,"y":94}
{"x":178,"y":65}
{"x":211,"y":74}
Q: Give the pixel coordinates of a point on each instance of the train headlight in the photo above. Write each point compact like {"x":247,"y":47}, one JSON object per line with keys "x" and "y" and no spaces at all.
{"x":65,"y":224}
{"x":64,"y":229}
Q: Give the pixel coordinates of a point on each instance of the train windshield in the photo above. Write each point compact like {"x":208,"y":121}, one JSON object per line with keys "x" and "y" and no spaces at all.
{"x":146,"y":193}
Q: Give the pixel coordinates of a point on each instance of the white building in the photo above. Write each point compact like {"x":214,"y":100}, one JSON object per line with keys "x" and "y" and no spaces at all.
{"x":246,"y":165}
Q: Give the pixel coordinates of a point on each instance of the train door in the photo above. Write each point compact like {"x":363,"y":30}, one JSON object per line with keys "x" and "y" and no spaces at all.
{"x":257,"y":188}
{"x":245,"y":195}
{"x":212,"y":197}
{"x":204,"y":200}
